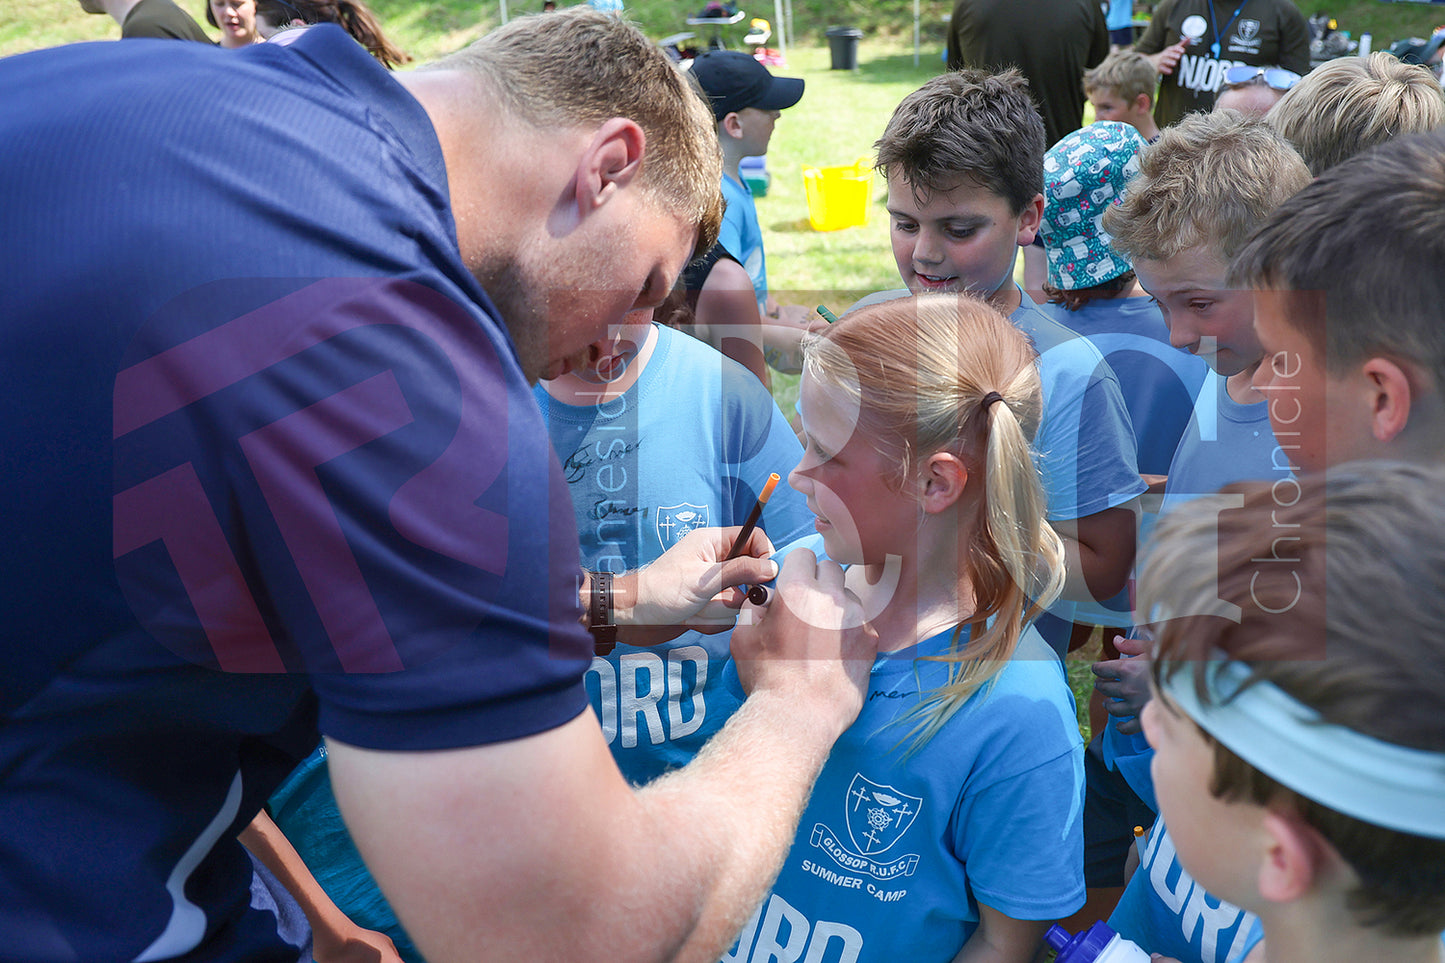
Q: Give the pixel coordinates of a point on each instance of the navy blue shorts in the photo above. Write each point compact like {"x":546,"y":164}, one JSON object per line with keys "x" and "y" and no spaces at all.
{"x":1111,"y":811}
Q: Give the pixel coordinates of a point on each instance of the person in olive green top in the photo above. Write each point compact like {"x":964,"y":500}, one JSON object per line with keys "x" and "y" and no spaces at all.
{"x":149,"y":18}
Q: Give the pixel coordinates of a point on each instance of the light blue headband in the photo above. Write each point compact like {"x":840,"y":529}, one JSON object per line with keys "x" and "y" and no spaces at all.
{"x":1374,"y":781}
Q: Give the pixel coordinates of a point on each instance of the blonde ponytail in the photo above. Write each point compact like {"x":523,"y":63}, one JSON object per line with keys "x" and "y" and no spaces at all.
{"x":924,"y":372}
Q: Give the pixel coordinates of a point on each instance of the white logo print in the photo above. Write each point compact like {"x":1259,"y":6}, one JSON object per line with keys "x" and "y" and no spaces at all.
{"x":877,"y":817}
{"x":675,"y":521}
{"x":1247,"y":30}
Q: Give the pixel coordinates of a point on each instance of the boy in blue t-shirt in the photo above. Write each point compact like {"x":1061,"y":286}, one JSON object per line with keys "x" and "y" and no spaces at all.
{"x":1347,"y":315}
{"x":660,"y":435}
{"x":1300,"y":738}
{"x":963,"y":157}
{"x":1203,"y":188}
{"x":747,"y":101}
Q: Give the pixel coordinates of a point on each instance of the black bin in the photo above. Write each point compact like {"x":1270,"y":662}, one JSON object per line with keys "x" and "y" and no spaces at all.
{"x":843,"y":43}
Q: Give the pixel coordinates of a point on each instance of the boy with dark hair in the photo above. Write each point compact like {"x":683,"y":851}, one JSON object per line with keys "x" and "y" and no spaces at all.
{"x":1348,"y":311}
{"x":963,"y":157}
{"x":1299,"y":719}
{"x":1122,"y":89}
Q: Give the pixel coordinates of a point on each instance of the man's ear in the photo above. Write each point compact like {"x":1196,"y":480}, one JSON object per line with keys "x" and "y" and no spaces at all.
{"x":1295,"y":857}
{"x":610,"y":162}
{"x":1029,"y":220}
{"x":944,"y":478}
{"x":1390,"y":396}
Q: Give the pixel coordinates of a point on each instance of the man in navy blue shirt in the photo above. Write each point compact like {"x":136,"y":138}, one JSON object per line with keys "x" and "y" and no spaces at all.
{"x":273,"y":467}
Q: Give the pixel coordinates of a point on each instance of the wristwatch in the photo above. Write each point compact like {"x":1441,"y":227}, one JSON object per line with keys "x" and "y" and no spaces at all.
{"x":599,"y":613}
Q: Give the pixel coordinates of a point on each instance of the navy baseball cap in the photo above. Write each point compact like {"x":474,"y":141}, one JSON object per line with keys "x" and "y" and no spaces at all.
{"x":733,"y":80}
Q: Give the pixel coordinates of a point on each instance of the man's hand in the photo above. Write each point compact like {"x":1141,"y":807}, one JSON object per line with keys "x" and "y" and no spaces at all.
{"x":691,"y":586}
{"x":809,"y":642}
{"x":1124,"y":683}
{"x":1167,"y":59}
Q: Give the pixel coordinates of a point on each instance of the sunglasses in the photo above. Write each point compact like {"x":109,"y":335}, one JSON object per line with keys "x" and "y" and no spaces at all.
{"x":1276,"y":77}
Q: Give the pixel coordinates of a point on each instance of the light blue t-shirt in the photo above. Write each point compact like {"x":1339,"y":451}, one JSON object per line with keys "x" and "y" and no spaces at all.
{"x":1224,"y":442}
{"x":741,"y":235}
{"x":1159,"y":382}
{"x":894,"y":853}
{"x":1085,"y":442}
{"x":1165,"y":911}
{"x":1120,"y":14}
{"x":688,"y":446}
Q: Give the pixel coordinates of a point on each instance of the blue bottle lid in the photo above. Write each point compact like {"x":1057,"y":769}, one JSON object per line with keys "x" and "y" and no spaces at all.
{"x":1082,"y":948}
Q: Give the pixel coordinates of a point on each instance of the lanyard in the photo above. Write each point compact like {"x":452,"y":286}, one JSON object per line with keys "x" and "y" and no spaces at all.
{"x":1213,"y":19}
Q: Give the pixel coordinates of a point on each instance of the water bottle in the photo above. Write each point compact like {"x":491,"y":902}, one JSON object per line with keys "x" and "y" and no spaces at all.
{"x":1097,"y":944}
{"x":1365,"y":44}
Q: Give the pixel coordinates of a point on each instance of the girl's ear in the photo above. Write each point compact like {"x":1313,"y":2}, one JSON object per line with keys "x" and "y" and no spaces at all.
{"x":1294,"y":859}
{"x":944,"y":479}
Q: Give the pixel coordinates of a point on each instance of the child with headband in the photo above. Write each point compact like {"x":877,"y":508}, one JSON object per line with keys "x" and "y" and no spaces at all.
{"x":946,"y":824}
{"x":1299,"y":721}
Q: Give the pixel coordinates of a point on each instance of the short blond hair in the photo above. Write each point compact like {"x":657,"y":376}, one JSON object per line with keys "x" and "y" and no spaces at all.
{"x":1351,"y":103}
{"x":1124,"y":73}
{"x":1209,"y":180}
{"x":579,"y":67}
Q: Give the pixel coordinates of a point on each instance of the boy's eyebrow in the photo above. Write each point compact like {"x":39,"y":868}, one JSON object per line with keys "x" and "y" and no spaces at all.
{"x":1196,"y":287}
{"x":966,"y":220}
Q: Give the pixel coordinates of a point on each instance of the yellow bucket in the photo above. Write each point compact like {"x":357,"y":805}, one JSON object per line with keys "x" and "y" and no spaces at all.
{"x":838,"y":196}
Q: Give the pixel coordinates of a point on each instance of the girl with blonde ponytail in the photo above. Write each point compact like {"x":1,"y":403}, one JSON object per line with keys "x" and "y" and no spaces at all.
{"x":946,"y":823}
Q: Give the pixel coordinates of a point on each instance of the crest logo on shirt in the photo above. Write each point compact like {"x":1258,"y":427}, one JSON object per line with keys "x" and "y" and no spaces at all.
{"x":675,"y":521}
{"x":878,"y":816}
{"x":1247,"y":30}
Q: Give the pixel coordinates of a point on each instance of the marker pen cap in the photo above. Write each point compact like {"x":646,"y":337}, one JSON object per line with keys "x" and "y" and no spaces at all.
{"x":1097,"y":944}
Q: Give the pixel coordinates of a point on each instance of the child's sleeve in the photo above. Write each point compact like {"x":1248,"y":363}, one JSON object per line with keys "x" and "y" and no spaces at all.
{"x":1021,"y":834}
{"x":1087,"y":452}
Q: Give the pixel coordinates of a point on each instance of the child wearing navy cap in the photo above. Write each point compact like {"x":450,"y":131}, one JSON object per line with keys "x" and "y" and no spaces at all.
{"x":747,"y":101}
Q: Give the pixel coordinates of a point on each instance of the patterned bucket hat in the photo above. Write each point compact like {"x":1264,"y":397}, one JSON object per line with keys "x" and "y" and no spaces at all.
{"x":1085,"y":173}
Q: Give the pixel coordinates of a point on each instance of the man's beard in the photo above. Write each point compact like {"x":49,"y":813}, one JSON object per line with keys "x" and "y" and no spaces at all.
{"x":532,"y":301}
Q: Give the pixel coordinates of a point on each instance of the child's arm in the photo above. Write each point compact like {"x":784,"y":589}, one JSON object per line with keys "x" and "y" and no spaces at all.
{"x":1099,"y":551}
{"x":334,"y":936}
{"x":1002,"y":939}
